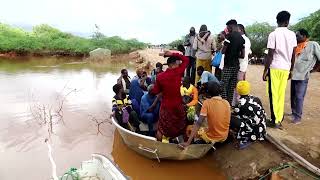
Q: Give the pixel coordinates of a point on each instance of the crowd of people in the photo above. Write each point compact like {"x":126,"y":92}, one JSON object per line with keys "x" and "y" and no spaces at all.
{"x":187,"y":103}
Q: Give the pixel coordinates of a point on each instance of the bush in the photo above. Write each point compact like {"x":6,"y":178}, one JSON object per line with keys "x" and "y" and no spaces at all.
{"x":44,"y":39}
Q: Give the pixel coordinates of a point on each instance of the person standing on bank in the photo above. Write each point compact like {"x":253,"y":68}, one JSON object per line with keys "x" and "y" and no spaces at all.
{"x":191,"y":54}
{"x":278,"y":66}
{"x":205,"y":46}
{"x":307,"y":54}
{"x":233,"y":48}
{"x":220,"y":40}
{"x":242,"y":61}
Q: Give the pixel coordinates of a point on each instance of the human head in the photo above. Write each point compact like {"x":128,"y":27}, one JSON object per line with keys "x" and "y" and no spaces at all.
{"x":124,"y":73}
{"x":117,"y":88}
{"x":158,"y":66}
{"x":241,"y":29}
{"x":214,"y":88}
{"x":150,"y":87}
{"x":231,"y":25}
{"x":203,"y":27}
{"x":200,"y":70}
{"x":192,"y":31}
{"x":186,"y":81}
{"x":172,"y":62}
{"x":221,"y":36}
{"x":243,"y":88}
{"x":203,"y":30}
{"x":302,"y":35}
{"x":283,"y":18}
{"x":181,"y":48}
{"x":139,"y":72}
{"x":144,"y":74}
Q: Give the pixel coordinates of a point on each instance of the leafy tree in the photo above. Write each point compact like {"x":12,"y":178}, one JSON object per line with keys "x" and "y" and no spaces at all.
{"x":174,"y":44}
{"x":258,"y":34}
{"x":312,"y":24}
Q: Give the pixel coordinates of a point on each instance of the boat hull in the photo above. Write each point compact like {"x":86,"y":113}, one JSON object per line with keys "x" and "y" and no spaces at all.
{"x":153,"y":149}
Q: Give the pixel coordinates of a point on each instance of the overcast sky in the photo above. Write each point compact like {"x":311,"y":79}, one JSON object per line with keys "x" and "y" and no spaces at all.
{"x":154,"y":21}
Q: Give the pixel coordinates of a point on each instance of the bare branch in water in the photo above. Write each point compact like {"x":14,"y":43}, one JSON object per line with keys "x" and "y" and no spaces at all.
{"x":99,"y":122}
{"x":47,"y":115}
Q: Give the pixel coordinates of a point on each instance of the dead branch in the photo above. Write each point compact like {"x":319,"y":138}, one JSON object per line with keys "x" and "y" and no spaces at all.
{"x":99,"y":122}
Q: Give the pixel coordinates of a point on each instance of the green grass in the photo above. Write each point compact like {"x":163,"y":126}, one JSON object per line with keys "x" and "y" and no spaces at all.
{"x":46,"y":40}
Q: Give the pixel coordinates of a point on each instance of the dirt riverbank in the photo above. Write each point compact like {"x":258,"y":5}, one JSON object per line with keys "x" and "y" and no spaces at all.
{"x":255,"y":160}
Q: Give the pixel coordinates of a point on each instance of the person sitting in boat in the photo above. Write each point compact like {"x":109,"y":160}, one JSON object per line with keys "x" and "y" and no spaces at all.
{"x":156,"y":71}
{"x":172,"y":116}
{"x":205,"y":77}
{"x":144,"y":81}
{"x":149,"y":109}
{"x":139,"y":72}
{"x":189,"y":95}
{"x":249,"y":117}
{"x":135,"y":91}
{"x":122,"y":110}
{"x":217,"y":112}
{"x":124,"y":80}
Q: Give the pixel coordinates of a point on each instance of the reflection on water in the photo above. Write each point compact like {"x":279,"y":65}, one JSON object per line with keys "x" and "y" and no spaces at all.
{"x":23,"y":152}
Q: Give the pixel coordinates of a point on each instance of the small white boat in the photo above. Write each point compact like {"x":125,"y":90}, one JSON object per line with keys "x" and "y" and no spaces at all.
{"x":153,"y":149}
{"x":98,"y":168}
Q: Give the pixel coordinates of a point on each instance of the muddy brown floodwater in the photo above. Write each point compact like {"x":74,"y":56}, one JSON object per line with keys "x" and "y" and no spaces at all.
{"x":25,"y":82}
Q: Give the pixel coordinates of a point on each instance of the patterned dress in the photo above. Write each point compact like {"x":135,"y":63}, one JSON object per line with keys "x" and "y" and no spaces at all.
{"x":250,"y":113}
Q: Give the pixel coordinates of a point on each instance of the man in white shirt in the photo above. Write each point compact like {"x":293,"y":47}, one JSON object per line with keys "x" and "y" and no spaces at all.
{"x":243,"y":62}
{"x":279,"y":65}
{"x":247,"y":50}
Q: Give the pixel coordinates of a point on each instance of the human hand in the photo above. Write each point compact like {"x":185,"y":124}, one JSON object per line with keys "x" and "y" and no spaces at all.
{"x":111,"y":115}
{"x":265,"y":75}
{"x":290,"y":75}
{"x":165,"y":53}
{"x":150,"y":109}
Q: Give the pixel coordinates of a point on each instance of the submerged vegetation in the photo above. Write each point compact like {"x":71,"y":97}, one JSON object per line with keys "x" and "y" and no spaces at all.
{"x":46,"y":40}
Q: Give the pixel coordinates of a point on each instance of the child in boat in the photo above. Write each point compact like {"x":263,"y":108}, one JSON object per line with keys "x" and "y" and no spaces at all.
{"x":249,"y":117}
{"x":156,"y":71}
{"x":189,"y":95}
{"x":144,"y":81}
{"x":122,"y":110}
{"x":217,"y":112}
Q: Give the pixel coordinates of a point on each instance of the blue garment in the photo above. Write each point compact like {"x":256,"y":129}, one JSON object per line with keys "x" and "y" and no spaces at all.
{"x":135,"y":106}
{"x":135,"y":90}
{"x":298,"y":91}
{"x":149,"y":117}
{"x":207,"y":76}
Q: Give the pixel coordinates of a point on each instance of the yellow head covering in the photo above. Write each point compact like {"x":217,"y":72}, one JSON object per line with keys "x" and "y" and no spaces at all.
{"x":243,"y":87}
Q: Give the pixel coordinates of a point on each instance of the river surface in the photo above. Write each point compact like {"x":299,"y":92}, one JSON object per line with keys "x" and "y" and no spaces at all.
{"x":31,"y":86}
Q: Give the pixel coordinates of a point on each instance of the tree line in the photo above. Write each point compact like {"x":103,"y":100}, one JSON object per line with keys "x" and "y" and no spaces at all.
{"x":47,"y":40}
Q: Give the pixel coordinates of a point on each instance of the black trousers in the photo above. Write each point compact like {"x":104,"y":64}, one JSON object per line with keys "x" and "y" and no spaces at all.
{"x":191,"y":69}
{"x":229,"y":79}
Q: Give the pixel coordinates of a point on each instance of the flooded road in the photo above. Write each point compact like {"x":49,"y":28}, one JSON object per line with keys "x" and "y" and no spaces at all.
{"x":86,"y":92}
